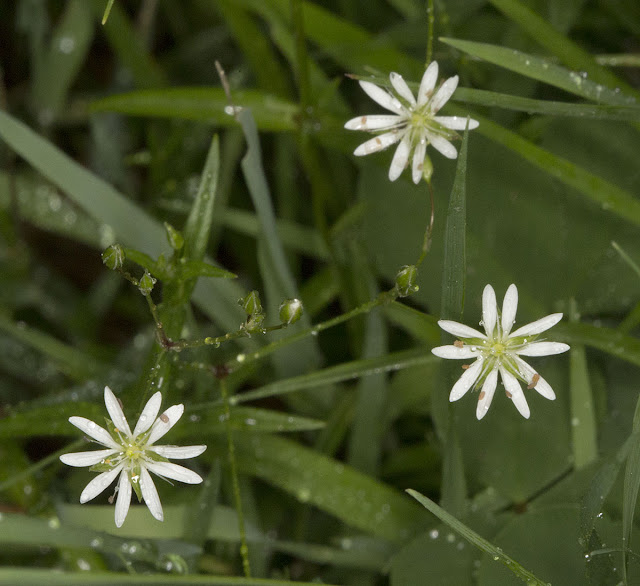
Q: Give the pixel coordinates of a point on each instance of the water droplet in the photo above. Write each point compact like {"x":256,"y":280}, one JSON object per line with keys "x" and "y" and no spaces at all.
{"x":250,"y":421}
{"x":96,"y":543}
{"x":66,"y":45}
{"x":451,"y":537}
{"x":54,"y":523}
{"x":304,"y":495}
{"x":434,"y":533}
{"x":240,"y":357}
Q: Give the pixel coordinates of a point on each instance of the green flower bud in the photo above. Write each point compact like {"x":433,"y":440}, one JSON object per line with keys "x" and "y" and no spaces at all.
{"x":113,"y":257}
{"x":406,"y":280}
{"x":175,"y":238}
{"x":146,"y":283}
{"x":427,"y":169}
{"x":254,"y":323}
{"x":251,"y":303}
{"x":290,"y":311}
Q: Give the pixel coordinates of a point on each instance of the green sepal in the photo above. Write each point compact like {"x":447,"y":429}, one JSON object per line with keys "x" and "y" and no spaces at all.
{"x":146,"y":283}
{"x":134,"y":478}
{"x":113,"y":257}
{"x":175,"y":237}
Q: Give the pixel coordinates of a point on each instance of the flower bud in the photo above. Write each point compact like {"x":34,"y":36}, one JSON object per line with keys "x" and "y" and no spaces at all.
{"x":175,"y":238}
{"x":427,"y":169}
{"x":290,"y":311}
{"x":146,"y":283}
{"x":251,"y":303}
{"x":113,"y":257}
{"x":406,"y":280}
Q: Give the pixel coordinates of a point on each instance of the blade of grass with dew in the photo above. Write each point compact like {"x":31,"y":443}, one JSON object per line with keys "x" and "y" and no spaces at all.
{"x":583,"y":423}
{"x":543,"y":33}
{"x":339,"y":373}
{"x":107,"y":11}
{"x":630,"y":489}
{"x":118,"y":215}
{"x":453,"y":492}
{"x":543,"y":70}
{"x":355,"y":498}
{"x":275,"y":271}
{"x":472,"y":537}
{"x":626,"y":258}
{"x":73,"y":362}
{"x":62,"y":60}
{"x":128,"y":46}
{"x":206,"y":104}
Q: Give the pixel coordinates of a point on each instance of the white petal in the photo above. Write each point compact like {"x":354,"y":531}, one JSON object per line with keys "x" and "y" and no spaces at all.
{"x":444,"y":93}
{"x":375,"y":122}
{"x":509,"y":309}
{"x":80,"y":459}
{"x":466,"y":381}
{"x":382,"y":97}
{"x":489,"y":310}
{"x":456,"y":122}
{"x":543,"y":349}
{"x":400,"y":85}
{"x":160,"y":427}
{"x":174,"y":471}
{"x":149,"y":414}
{"x":513,"y":387}
{"x":150,"y":494}
{"x":400,"y":158}
{"x":442,"y":145}
{"x":124,"y":498}
{"x":460,"y":330}
{"x":428,"y":82}
{"x":538,"y":326}
{"x":94,"y":431}
{"x":378,"y":143}
{"x":178,"y":452}
{"x":99,"y":484}
{"x":544,"y":388}
{"x":418,"y":161}
{"x":486,"y":394}
{"x":454,"y":352}
{"x":115,"y":412}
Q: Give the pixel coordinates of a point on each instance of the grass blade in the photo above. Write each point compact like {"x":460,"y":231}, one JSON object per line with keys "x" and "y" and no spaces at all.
{"x":630,"y":489}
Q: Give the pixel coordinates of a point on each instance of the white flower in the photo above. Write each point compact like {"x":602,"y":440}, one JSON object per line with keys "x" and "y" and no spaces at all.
{"x":499,"y":350}
{"x":133,"y":455}
{"x":414,"y":122}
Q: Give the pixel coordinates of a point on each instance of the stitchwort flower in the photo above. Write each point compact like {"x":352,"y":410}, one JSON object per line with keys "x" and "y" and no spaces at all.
{"x":499,"y":350}
{"x":413,"y":123}
{"x":132,"y":455}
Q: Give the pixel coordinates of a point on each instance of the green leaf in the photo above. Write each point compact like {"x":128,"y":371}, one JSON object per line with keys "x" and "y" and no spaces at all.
{"x":422,"y":326}
{"x":194,"y":268}
{"x":206,"y":104}
{"x":543,"y":70}
{"x":495,"y":552}
{"x":356,"y":499}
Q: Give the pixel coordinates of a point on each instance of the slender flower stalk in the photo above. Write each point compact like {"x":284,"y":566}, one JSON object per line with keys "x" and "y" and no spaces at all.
{"x":132,"y":455}
{"x":499,"y":350}
{"x":413,"y":123}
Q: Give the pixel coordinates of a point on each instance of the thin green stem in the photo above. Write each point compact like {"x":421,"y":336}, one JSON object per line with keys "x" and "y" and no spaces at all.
{"x":430,"y":22}
{"x":426,"y":242}
{"x":302,"y":69}
{"x":244,"y":549}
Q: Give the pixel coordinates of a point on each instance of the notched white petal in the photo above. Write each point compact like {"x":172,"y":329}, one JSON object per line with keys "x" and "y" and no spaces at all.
{"x":442,"y":145}
{"x":150,"y":494}
{"x":124,"y":498}
{"x":538,"y":326}
{"x":455,"y":352}
{"x":400,"y":158}
{"x":456,"y":122}
{"x":165,"y":422}
{"x":115,"y":411}
{"x":81,"y":459}
{"x":400,"y":85}
{"x":486,"y":394}
{"x":428,"y":83}
{"x":509,"y":309}
{"x":382,"y":97}
{"x":99,"y":484}
{"x":375,"y":122}
{"x":178,"y":452}
{"x":515,"y":393}
{"x":544,"y":388}
{"x":418,"y":161}
{"x":466,"y":381}
{"x":93,"y":430}
{"x":378,"y":143}
{"x":442,"y":96}
{"x":460,"y":330}
{"x":543,"y":349}
{"x":489,"y":310}
{"x":174,"y":471}
{"x":149,"y":414}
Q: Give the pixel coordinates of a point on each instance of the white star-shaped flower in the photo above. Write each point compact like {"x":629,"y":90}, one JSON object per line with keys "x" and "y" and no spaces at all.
{"x":413,"y":123}
{"x":499,"y":350}
{"x":132,"y":455}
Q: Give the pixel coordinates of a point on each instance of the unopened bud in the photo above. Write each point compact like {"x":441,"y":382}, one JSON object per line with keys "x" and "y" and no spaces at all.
{"x":427,"y":169}
{"x":406,"y":280}
{"x":146,"y":283}
{"x":175,"y":238}
{"x":113,"y":257}
{"x":290,"y":311}
{"x":251,"y":303}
